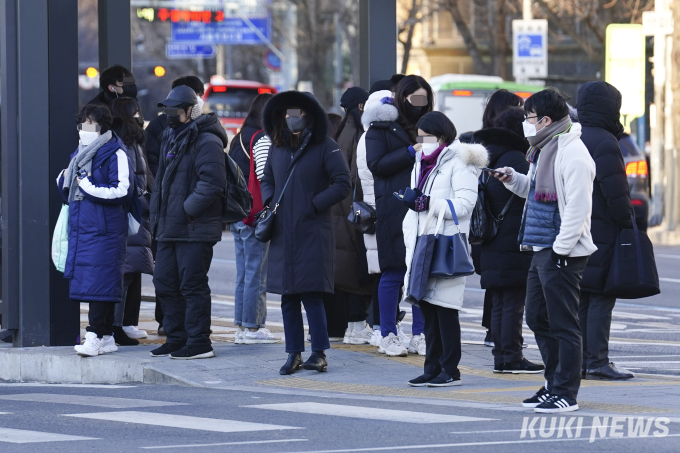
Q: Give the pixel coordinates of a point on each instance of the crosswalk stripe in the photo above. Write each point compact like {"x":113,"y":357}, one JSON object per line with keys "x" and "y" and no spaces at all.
{"x":82,"y":400}
{"x":181,"y":421}
{"x":248,"y":442}
{"x":367,"y":413}
{"x":22,"y":436}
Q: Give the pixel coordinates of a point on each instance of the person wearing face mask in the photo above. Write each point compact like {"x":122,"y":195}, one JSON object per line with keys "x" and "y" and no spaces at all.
{"x":98,"y":188}
{"x":305,"y":175}
{"x":186,"y":221}
{"x":115,"y":82}
{"x":556,"y":225}
{"x":126,"y":125}
{"x":445,"y":171}
{"x":390,"y":154}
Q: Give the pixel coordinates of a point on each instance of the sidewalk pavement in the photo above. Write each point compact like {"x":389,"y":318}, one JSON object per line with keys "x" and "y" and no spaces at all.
{"x":354,"y":372}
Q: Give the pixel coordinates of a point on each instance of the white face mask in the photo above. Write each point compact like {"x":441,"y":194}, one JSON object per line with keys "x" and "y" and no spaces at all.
{"x":530,"y":129}
{"x":87,"y":137}
{"x":429,"y":148}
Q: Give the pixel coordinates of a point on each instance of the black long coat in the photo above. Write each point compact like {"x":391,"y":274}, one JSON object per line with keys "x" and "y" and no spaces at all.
{"x":302,"y":249}
{"x":139,"y":257}
{"x":391,"y":164}
{"x":502,"y":264}
{"x":154,"y":131}
{"x":598,"y":112}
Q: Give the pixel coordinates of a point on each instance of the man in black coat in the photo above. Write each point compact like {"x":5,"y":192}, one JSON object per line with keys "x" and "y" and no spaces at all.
{"x":116,"y":81}
{"x":598,"y":112}
{"x":186,"y":220}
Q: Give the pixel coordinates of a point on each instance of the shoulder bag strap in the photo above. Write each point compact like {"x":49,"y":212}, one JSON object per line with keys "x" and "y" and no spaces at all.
{"x":278,"y":202}
{"x":243,"y":148}
{"x":501,"y":216}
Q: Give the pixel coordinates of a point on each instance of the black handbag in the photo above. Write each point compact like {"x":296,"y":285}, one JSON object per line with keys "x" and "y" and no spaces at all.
{"x":450,"y":256}
{"x":420,"y":268}
{"x":264,"y":220}
{"x":363,"y":215}
{"x":483,"y":224}
{"x":632,"y":271}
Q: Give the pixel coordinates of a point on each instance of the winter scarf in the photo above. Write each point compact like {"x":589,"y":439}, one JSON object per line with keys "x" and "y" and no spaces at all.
{"x":543,"y":143}
{"x":82,"y":161}
{"x":428,"y":163}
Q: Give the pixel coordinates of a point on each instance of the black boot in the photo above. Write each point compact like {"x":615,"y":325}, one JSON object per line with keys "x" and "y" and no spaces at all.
{"x":121,"y":338}
{"x":293,"y":364}
{"x":316,"y":361}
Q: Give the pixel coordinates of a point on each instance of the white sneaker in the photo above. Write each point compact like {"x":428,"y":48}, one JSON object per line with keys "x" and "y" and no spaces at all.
{"x":405,"y":338}
{"x":239,"y":336}
{"x":393,"y":346}
{"x":261,"y":336}
{"x":134,"y":332}
{"x":362,"y":336}
{"x":107,"y":344}
{"x":417,"y":345}
{"x":376,"y":338}
{"x":348,"y":335}
{"x":91,"y":346}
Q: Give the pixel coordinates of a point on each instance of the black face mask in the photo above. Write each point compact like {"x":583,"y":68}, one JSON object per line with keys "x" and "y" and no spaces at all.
{"x":130,"y":91}
{"x":297,"y":124}
{"x":412,"y":112}
{"x":174,"y":122}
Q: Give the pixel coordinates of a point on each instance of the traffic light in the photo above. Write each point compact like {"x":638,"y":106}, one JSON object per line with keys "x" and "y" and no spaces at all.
{"x":91,"y":72}
{"x":159,"y":71}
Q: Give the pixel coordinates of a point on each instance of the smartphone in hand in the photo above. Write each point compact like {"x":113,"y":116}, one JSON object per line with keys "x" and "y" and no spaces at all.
{"x":493,"y":170}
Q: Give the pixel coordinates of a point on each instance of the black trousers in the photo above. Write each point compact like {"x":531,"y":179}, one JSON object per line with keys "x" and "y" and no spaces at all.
{"x":442,"y":339}
{"x":181,"y":282}
{"x":552,"y":314}
{"x":293,"y":325}
{"x":100,"y":317}
{"x":506,"y":323}
{"x":595,"y":314}
{"x":343,"y":307}
{"x":488,"y":308}
{"x":133,"y":301}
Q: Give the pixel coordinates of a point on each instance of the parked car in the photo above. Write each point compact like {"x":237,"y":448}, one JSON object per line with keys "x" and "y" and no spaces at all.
{"x":231,"y":99}
{"x":637,"y":170}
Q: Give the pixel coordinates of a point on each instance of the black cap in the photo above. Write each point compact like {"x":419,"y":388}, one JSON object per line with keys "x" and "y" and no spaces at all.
{"x":179,"y":96}
{"x":353,"y":97}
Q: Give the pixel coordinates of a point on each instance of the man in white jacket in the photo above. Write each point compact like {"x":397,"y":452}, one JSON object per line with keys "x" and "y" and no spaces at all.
{"x":556,"y":225}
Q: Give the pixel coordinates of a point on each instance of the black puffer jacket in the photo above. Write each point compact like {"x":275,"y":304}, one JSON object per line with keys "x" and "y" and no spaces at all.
{"x":237,"y":153}
{"x":598,"y":112}
{"x":187,"y":199}
{"x":302,"y":249}
{"x":154,"y":131}
{"x":391,"y":164}
{"x":139,"y":257}
{"x":502,"y":264}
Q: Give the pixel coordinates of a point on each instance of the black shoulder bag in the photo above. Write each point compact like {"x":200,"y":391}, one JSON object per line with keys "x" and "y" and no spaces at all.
{"x":264,"y":220}
{"x":363,"y":215}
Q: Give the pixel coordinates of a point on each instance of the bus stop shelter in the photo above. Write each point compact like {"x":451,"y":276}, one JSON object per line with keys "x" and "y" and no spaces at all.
{"x":39,"y":98}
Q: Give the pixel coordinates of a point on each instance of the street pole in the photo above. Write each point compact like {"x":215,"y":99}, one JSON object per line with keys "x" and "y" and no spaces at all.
{"x":527,"y":13}
{"x":219,"y":60}
{"x":337,"y":86}
{"x":656,"y":156}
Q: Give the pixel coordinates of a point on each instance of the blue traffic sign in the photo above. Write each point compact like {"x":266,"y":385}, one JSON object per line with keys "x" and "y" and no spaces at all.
{"x":186,"y":50}
{"x":272,"y":60}
{"x":229,"y":31}
{"x":530,"y":46}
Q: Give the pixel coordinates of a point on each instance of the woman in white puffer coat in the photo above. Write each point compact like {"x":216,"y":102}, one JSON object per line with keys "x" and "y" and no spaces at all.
{"x":445,"y":169}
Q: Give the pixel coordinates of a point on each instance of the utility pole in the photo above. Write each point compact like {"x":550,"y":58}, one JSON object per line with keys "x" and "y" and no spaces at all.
{"x":527,"y":13}
{"x":337,"y":82}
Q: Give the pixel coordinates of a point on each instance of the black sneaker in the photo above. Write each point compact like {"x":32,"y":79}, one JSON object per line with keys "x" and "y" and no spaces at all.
{"x":557,"y":404}
{"x":523,"y":367}
{"x":420,"y":381}
{"x":488,"y":340}
{"x":193,"y":352}
{"x":498,"y":368}
{"x":541,"y":396}
{"x":166,"y":349}
{"x":444,"y":380}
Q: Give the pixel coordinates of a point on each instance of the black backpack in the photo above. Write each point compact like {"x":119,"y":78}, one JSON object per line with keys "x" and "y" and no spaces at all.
{"x":483,"y":224}
{"x":237,"y":199}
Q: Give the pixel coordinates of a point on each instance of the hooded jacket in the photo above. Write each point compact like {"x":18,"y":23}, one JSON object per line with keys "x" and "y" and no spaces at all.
{"x":390,"y":163}
{"x":187,"y":198}
{"x":302,"y":249}
{"x":598,"y":111}
{"x":502,"y":264}
{"x":454,"y":178}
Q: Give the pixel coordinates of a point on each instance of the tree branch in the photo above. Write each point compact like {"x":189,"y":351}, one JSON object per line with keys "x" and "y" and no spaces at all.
{"x":468,"y":39}
{"x":587,"y":48}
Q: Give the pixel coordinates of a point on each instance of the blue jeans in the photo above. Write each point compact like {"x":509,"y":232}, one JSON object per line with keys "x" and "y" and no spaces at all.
{"x":388,"y":295}
{"x":251,"y":277}
{"x":293,"y":324}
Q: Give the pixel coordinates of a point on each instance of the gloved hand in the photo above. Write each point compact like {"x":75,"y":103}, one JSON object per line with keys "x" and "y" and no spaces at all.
{"x":559,"y":260}
{"x":410,"y":196}
{"x":422,"y":203}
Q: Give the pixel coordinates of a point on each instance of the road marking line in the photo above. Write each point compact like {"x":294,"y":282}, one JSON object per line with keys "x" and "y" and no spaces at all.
{"x":22,"y":436}
{"x":369,"y":413}
{"x":674,"y":257}
{"x":670,"y":280}
{"x":75,"y":386}
{"x":228,"y":443}
{"x":181,"y":421}
{"x":624,"y":314}
{"x":82,"y":400}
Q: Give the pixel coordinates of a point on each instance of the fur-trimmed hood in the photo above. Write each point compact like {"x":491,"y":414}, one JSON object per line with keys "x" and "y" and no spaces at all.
{"x":274,"y":114}
{"x":468,"y":153}
{"x":375,"y":110}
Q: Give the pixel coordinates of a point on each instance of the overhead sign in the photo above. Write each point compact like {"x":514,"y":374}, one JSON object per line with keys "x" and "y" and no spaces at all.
{"x":188,"y":50}
{"x":530,"y":49}
{"x":657,"y":23}
{"x":228,"y":31}
{"x":625,"y":66}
